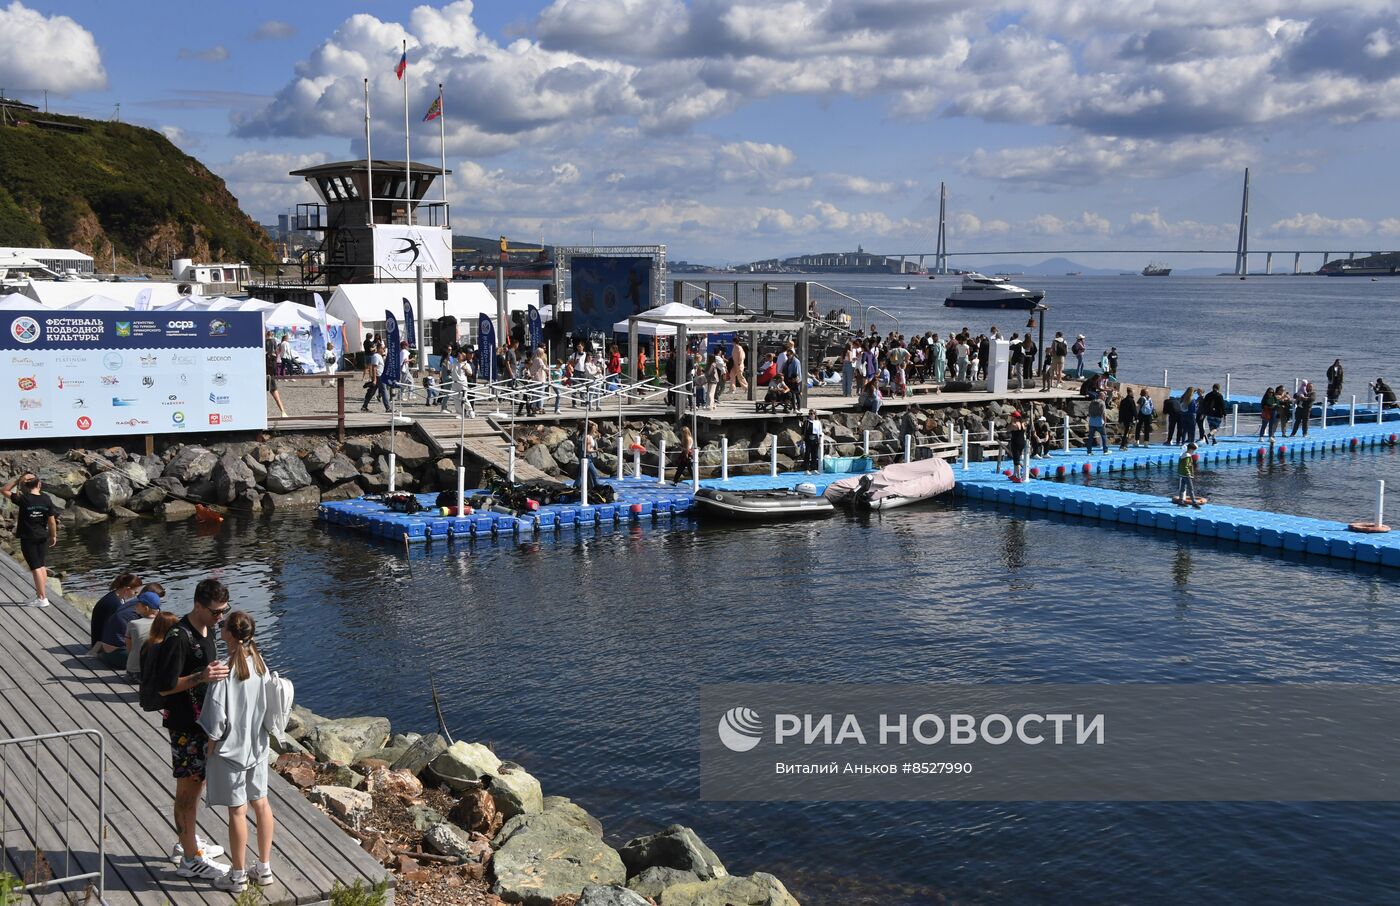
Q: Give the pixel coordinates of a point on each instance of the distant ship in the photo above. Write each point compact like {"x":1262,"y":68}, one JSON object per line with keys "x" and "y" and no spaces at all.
{"x":978,"y":291}
{"x":1074,"y":273}
{"x":1156,"y":269}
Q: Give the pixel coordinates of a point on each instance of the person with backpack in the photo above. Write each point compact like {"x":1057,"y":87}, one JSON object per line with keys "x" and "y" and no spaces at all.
{"x":1213,"y":410}
{"x":1146,"y":411}
{"x":175,"y":681}
{"x":1058,"y":350}
{"x":1079,"y":348}
{"x":233,"y":717}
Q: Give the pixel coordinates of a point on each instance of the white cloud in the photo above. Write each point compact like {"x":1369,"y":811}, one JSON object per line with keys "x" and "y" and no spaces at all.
{"x":259,"y":180}
{"x":1153,"y":224}
{"x":273,"y":30}
{"x":1314,"y":224}
{"x":1086,"y":224}
{"x":1090,"y":160}
{"x":47,"y":52}
{"x":216,"y":54}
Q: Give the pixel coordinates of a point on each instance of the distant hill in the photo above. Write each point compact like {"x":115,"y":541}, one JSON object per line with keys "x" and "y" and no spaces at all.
{"x":98,"y":186}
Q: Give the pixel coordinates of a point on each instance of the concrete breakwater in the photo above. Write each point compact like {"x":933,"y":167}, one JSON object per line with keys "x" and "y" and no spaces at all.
{"x":454,"y":815}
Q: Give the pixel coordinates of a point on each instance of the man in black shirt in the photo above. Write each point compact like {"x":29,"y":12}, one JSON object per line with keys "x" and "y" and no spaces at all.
{"x":36,"y":528}
{"x":184,"y":664}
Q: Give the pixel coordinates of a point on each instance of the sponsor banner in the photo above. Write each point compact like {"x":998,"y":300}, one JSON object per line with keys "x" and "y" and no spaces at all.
{"x":110,"y":373}
{"x":401,"y":250}
{"x":608,"y":290}
{"x":1093,"y":742}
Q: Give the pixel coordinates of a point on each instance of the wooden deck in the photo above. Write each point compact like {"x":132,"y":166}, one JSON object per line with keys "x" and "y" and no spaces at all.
{"x":48,"y":685}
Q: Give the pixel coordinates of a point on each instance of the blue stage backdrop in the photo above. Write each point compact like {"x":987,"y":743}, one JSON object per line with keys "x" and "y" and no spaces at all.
{"x":607,"y":290}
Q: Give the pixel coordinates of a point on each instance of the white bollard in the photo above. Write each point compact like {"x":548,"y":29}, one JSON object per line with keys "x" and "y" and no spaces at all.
{"x":950,"y":432}
{"x":773,"y":456}
{"x":1325,"y":404}
{"x":1352,"y":420}
{"x":1066,"y":432}
{"x":393,"y":470}
{"x":1296,"y":382}
{"x":637,"y":463}
{"x":695,"y":469}
{"x":510,"y":465}
{"x":661,"y":462}
{"x":821,"y":452}
{"x":461,"y":488}
{"x":724,"y":458}
{"x":619,"y":456}
{"x":1236,"y":411}
{"x":1380,"y":501}
{"x":992,"y":431}
{"x":582,"y":479}
{"x":908,"y":448}
{"x":964,"y":450}
{"x":1164,"y":379}
{"x":865,"y":447}
{"x":1380,"y":410}
{"x":1227,"y":385}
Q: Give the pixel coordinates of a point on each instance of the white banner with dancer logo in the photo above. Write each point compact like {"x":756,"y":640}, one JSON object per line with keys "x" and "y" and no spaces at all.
{"x":400,"y":250}
{"x":99,"y":374}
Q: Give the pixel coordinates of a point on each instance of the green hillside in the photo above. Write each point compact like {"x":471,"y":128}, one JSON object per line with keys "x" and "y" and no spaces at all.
{"x":117,"y":185}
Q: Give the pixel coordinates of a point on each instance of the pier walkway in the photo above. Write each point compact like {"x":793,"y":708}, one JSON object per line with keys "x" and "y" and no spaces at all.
{"x":48,"y":685}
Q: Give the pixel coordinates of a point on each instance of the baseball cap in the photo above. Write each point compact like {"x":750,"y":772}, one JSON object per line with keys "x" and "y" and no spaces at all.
{"x":1016,"y":414}
{"x":150,"y":599}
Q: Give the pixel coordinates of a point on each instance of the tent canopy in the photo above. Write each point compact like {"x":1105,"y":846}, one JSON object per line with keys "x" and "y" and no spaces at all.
{"x":63,"y":293}
{"x":663,"y":320}
{"x":292,"y":315}
{"x":362,"y":305}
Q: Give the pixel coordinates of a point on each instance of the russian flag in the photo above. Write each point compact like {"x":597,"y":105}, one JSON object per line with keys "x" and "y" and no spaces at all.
{"x":402,"y":65}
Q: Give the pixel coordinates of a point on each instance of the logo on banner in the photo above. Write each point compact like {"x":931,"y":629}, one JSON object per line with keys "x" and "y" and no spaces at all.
{"x":25,"y":360}
{"x":112,"y":361}
{"x":80,"y":403}
{"x":123,"y":328}
{"x":29,"y":402}
{"x":27,"y":384}
{"x":148,"y":361}
{"x":177,"y":419}
{"x":148,"y":381}
{"x":23,"y":425}
{"x":219,"y":379}
{"x":218,"y":358}
{"x":218,"y":399}
{"x":122,"y":401}
{"x":69,"y":383}
{"x":84,"y":423}
{"x":131,"y":422}
{"x":180,"y":325}
{"x":69,"y":359}
{"x":173,"y":400}
{"x":25,"y":329}
{"x":218,"y":327}
{"x":108,"y":380}
{"x":178,"y":359}
{"x":220,"y":418}
{"x":740,"y":729}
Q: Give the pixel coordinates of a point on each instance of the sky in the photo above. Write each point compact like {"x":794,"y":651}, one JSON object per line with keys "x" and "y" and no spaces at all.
{"x":735,"y":130}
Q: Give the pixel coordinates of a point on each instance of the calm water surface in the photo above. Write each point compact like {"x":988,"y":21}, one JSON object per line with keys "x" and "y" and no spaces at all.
{"x":582,"y":657}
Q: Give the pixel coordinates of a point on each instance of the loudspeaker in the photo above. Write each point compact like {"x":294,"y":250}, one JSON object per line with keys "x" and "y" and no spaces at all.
{"x":444,"y":334}
{"x":565,"y":320}
{"x":547,"y":295}
{"x":440,"y":290}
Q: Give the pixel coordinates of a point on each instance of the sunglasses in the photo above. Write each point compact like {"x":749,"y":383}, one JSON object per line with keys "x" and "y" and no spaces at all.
{"x":218,"y":611}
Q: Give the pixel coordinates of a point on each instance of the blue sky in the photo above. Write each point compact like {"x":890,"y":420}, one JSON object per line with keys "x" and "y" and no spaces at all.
{"x":732,"y":130}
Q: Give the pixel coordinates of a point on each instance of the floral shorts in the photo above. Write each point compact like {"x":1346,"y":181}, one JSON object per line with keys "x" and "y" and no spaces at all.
{"x":188,"y":749}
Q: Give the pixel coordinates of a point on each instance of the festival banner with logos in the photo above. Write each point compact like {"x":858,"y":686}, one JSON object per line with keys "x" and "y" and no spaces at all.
{"x":98,"y":374}
{"x":400,"y":250}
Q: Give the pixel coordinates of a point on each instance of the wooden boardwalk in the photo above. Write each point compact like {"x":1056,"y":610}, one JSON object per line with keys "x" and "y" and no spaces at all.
{"x":48,"y":685}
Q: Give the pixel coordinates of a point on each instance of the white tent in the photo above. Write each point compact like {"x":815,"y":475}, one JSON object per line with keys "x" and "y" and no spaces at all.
{"x":695,"y":320}
{"x":295,"y":321}
{"x":227,"y":303}
{"x":98,"y":303}
{"x":362,"y":305}
{"x":63,"y":293}
{"x":17,"y":302}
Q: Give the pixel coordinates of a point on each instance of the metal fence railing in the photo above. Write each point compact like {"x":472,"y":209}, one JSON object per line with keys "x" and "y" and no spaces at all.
{"x":39,"y":806}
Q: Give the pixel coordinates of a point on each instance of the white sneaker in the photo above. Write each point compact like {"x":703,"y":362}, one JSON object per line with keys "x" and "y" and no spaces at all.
{"x":206,"y":849}
{"x":261,"y":874}
{"x":37,"y":602}
{"x":234,"y":881}
{"x":201,"y":869}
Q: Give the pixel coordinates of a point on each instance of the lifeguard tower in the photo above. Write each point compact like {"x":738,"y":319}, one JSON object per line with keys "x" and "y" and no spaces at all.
{"x":376,"y":221}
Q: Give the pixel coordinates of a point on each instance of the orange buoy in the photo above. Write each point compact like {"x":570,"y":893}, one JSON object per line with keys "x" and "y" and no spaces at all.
{"x":204,"y":514}
{"x":1369,"y":528}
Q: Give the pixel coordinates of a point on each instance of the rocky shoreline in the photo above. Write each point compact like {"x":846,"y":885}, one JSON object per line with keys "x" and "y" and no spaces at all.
{"x":457,"y":824}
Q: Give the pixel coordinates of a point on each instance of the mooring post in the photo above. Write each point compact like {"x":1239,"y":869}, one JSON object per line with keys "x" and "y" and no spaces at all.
{"x":908,"y":448}
{"x":1380,"y":501}
{"x":724,"y":457}
{"x":773,"y":456}
{"x":1227,"y":385}
{"x":393,"y":469}
{"x":1066,"y":426}
{"x":637,"y":461}
{"x":619,"y":456}
{"x":1352,"y":421}
{"x":821,"y":451}
{"x":661,"y":461}
{"x":865,"y":446}
{"x":582,"y":479}
{"x":1164,"y":379}
{"x":1236,"y":410}
{"x":964,"y":450}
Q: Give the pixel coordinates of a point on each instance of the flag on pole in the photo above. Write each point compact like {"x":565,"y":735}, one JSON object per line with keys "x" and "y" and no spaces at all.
{"x":143,"y":300}
{"x":435,"y":110}
{"x":410,"y":325}
{"x":486,"y":349}
{"x":393,"y":370}
{"x":536,"y":328}
{"x":401,"y":65}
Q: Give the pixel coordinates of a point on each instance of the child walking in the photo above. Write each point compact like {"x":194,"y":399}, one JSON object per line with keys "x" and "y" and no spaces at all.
{"x":236,"y":772}
{"x":1186,"y":469}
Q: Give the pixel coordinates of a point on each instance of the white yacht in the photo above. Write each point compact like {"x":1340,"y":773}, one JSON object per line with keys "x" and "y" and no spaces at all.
{"x":981,"y":291}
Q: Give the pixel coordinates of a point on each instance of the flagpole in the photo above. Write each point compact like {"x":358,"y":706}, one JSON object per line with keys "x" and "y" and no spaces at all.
{"x":442,"y":138}
{"x":369,"y":160}
{"x":407,"y":157}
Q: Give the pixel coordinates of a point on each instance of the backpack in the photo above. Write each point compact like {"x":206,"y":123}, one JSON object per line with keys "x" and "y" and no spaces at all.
{"x":280,"y":695}
{"x":1060,"y":348}
{"x":151,"y":699}
{"x":1145,"y":407}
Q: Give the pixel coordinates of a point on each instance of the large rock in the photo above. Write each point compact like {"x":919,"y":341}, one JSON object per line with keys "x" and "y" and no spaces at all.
{"x":546,"y":860}
{"x":172,"y":486}
{"x":571,"y":813}
{"x":346,"y":804}
{"x":539,"y":457}
{"x":63,"y":479}
{"x":134,"y":472}
{"x":349,"y":739}
{"x":106,"y":491}
{"x":233,"y":478}
{"x":287,"y":474}
{"x":301,"y":721}
{"x":176,"y":510}
{"x":304,"y":497}
{"x":146,"y":499}
{"x":551,"y":436}
{"x":675,"y":847}
{"x":566,"y":455}
{"x":346,"y":490}
{"x":446,"y":840}
{"x":655,"y":880}
{"x":410,"y":452}
{"x":420,"y":754}
{"x":318,"y":457}
{"x":758,"y":889}
{"x":515,"y":791}
{"x":462,"y":765}
{"x":259,"y":470}
{"x":80,"y":516}
{"x":612,"y":895}
{"x":191,"y":464}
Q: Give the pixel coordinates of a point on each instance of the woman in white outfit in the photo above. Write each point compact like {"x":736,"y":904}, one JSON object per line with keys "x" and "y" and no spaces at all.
{"x":236,"y":771}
